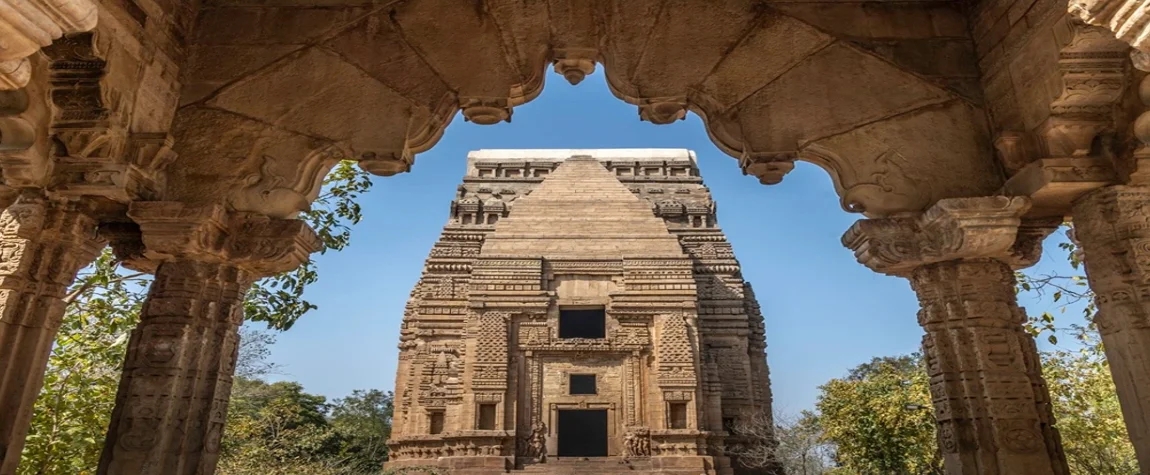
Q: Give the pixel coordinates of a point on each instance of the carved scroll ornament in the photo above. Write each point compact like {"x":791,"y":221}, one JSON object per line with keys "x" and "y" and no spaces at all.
{"x":956,"y":228}
{"x":258,"y":244}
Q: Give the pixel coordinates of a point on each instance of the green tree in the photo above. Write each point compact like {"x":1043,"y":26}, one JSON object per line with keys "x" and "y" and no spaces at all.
{"x":876,"y":418}
{"x":72,"y":413}
{"x":276,"y":428}
{"x":73,"y":410}
{"x":1087,"y":413}
{"x":363,"y":419}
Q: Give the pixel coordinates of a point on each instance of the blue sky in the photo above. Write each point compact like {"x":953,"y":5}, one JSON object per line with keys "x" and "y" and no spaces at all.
{"x":825,"y":313}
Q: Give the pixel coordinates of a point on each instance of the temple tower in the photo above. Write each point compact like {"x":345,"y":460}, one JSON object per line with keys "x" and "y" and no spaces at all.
{"x":581,"y":307}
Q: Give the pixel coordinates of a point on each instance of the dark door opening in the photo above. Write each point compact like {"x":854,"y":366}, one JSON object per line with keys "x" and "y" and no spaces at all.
{"x":583,"y":433}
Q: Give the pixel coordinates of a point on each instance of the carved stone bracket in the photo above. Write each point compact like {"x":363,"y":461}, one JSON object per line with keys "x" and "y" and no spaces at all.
{"x":1094,"y":77}
{"x":1052,"y":184}
{"x":955,"y":228}
{"x":28,"y":25}
{"x":172,"y":230}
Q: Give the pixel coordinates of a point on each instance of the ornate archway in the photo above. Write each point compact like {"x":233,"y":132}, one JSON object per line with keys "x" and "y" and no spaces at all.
{"x":191,"y":133}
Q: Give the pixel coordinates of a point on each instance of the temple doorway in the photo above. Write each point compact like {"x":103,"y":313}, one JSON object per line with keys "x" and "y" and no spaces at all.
{"x":583,"y":433}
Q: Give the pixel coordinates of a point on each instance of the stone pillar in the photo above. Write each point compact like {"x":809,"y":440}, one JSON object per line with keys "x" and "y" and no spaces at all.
{"x":43,"y":245}
{"x":173,"y":397}
{"x":1112,"y":225}
{"x":990,"y":401}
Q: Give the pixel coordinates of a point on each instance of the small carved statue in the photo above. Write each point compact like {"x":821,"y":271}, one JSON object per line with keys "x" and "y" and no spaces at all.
{"x":637,"y":442}
{"x":536,"y":445}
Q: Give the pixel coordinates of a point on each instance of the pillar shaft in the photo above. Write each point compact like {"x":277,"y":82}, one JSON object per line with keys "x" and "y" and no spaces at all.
{"x":990,"y":400}
{"x":1112,"y":225}
{"x":173,"y":397}
{"x":42,"y":247}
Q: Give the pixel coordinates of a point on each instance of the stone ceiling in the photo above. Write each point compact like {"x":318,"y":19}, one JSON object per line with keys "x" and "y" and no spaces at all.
{"x":884,"y":96}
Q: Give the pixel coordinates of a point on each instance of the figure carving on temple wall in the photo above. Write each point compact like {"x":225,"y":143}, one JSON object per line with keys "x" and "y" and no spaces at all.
{"x":637,"y":442}
{"x":535,"y":444}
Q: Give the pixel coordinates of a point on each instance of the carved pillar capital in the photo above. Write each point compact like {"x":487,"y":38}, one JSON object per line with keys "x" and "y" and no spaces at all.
{"x":169,"y":231}
{"x":953,"y":229}
{"x":28,"y":25}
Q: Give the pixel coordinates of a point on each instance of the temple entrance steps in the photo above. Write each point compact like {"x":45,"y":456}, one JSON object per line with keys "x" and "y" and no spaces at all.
{"x":590,"y":466}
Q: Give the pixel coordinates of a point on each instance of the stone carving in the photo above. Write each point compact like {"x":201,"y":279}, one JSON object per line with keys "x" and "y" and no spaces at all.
{"x":663,"y":110}
{"x":769,"y":168}
{"x":574,"y":64}
{"x":1112,"y":227}
{"x":637,"y":442}
{"x":485,"y":110}
{"x":43,"y":244}
{"x":1094,"y":79}
{"x":535,"y":444}
{"x":205,"y":261}
{"x":1126,"y":19}
{"x":906,"y":131}
{"x":28,"y":25}
{"x":958,"y":257}
{"x":272,"y":194}
{"x":951,"y":229}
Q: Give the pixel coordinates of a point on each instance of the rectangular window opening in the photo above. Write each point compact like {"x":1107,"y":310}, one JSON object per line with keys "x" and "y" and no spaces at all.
{"x":678,"y":415}
{"x":486,"y":417}
{"x":583,"y":323}
{"x":436,"y":422}
{"x":582,"y":384}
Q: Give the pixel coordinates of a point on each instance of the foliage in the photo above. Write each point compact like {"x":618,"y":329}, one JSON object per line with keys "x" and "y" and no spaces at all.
{"x":1066,"y":290}
{"x":277,"y":428}
{"x":364,"y":421}
{"x":1087,"y":412}
{"x":73,"y":410}
{"x":72,"y":413}
{"x":878,"y":418}
{"x":278,"y":300}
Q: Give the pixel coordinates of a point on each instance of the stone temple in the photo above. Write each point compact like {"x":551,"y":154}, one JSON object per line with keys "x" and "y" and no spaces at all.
{"x":580,"y":304}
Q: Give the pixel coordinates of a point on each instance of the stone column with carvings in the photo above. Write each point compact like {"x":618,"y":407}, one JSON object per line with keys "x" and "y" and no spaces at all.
{"x":990,"y":400}
{"x":1112,"y":225}
{"x":173,"y":396}
{"x":43,"y":244}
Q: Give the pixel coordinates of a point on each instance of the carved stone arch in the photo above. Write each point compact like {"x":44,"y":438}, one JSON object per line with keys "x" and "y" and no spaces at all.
{"x":768,"y":82}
